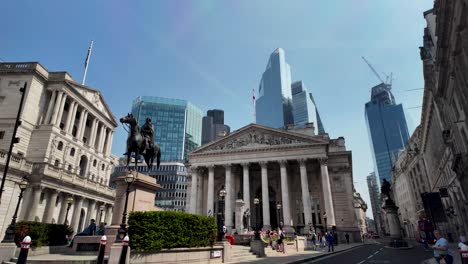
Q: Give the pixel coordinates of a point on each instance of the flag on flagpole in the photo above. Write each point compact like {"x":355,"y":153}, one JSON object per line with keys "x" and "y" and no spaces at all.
{"x":88,"y":55}
{"x":253,"y":101}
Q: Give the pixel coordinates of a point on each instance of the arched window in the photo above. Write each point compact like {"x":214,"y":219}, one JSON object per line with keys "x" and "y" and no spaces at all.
{"x":72,"y":152}
{"x":57,"y":163}
{"x":69,"y":167}
{"x":102,"y":167}
{"x":60,"y":145}
{"x":83,"y":165}
{"x":94,"y":163}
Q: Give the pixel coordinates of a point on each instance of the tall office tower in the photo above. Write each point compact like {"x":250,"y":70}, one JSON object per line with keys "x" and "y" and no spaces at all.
{"x":177,"y":124}
{"x":387,"y":129}
{"x":274,"y":104}
{"x":374,"y":194}
{"x":213,"y":126}
{"x":304,"y":107}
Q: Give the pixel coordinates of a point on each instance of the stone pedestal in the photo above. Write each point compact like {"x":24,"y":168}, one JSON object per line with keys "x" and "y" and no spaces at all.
{"x":7,"y":251}
{"x":258,"y":248}
{"x":239,"y":216}
{"x":396,"y":239}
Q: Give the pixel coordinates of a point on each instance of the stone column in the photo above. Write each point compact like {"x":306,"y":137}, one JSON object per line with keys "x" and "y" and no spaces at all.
{"x":108,"y":217}
{"x":305,"y":193}
{"x":101,"y":138}
{"x":228,"y":200}
{"x":71,"y":107}
{"x":327,"y":195}
{"x":210,"y":198}
{"x":265,"y":197}
{"x":94,"y":126}
{"x":246,"y":188}
{"x":109,"y":142}
{"x":32,"y":204}
{"x":193,"y":190}
{"x":53,"y":98}
{"x":83,"y":125}
{"x":72,"y":120}
{"x":285,"y":196}
{"x":63,"y":208}
{"x":49,"y":206}
{"x":91,"y":212}
{"x":80,"y":124}
{"x":75,"y":220}
{"x":57,"y":104}
{"x":201,"y":183}
{"x":61,"y":109}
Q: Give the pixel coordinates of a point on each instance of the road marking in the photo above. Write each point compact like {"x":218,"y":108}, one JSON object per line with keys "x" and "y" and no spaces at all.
{"x":362,"y":262}
{"x":370,"y":256}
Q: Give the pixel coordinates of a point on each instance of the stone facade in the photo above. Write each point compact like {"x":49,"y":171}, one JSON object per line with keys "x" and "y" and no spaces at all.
{"x":309,"y":175}
{"x":444,"y":126}
{"x":64,"y":149}
{"x":360,"y":208}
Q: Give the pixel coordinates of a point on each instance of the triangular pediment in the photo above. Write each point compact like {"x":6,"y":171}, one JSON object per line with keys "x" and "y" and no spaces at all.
{"x":95,"y":99}
{"x":255,"y":136}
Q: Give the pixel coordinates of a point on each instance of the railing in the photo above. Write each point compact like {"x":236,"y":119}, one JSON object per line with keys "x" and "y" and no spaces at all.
{"x":17,"y":66}
{"x":16,"y":162}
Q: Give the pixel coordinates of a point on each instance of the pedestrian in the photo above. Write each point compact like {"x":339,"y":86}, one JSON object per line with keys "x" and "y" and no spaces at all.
{"x":101,"y":229}
{"x":463,"y":245}
{"x":335,"y":238}
{"x":280,"y":240}
{"x":363,"y":238}
{"x":330,"y":242}
{"x":347,"y":238}
{"x":441,"y":253}
{"x":324,"y":240}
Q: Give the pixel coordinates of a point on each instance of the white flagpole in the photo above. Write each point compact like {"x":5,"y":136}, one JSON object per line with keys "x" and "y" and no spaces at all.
{"x":88,"y":56}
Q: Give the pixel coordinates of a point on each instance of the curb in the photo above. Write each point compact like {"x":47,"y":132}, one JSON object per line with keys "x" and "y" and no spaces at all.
{"x":324,"y":255}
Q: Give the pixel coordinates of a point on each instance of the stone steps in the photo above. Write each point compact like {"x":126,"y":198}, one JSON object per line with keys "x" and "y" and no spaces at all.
{"x":241,"y":254}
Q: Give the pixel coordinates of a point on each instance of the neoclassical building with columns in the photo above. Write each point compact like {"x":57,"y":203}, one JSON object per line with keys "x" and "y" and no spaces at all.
{"x":301,"y":179}
{"x":64,"y":149}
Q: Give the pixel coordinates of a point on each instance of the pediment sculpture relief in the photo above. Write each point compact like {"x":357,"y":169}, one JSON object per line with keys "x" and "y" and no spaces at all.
{"x":255,"y":138}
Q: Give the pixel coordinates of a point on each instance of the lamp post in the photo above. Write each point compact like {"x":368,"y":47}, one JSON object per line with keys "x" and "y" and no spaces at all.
{"x":69,"y":203}
{"x":325,"y":220}
{"x":278,"y":209}
{"x":256,"y":203}
{"x":123,"y":226}
{"x":11,"y":230}
{"x":222,"y":193}
{"x":101,"y":208}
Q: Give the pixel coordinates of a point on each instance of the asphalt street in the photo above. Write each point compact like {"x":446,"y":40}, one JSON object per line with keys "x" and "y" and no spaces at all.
{"x":377,"y":253}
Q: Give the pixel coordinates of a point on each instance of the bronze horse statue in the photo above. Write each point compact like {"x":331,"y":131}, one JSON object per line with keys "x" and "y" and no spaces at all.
{"x":136,"y":144}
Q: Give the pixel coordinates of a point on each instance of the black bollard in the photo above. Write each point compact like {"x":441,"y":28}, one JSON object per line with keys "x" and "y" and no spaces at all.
{"x":464,"y":256}
{"x":123,"y":255}
{"x":102,"y":249}
{"x":25,"y":245}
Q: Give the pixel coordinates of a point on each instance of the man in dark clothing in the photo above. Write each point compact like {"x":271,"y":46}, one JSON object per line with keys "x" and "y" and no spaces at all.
{"x":347,"y":238}
{"x":330,"y":241}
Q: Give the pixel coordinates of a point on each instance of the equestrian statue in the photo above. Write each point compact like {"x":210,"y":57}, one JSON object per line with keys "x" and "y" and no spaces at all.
{"x":140,"y":141}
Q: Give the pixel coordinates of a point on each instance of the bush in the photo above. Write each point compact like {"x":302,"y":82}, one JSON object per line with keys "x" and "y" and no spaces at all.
{"x":42,"y":234}
{"x":151,"y":231}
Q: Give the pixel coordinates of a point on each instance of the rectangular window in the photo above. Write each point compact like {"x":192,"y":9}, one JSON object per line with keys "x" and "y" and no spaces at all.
{"x":2,"y":134}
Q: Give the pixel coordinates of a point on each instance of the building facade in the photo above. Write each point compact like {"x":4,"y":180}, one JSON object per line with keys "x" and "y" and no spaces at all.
{"x":177,"y":124}
{"x":64,"y":149}
{"x":360,"y":208}
{"x":374,"y":194}
{"x":213,"y":126}
{"x":309,"y":175}
{"x":387,"y":128}
{"x":304,"y":109}
{"x":274,"y":104}
{"x":444,"y":126}
{"x":172,"y":176}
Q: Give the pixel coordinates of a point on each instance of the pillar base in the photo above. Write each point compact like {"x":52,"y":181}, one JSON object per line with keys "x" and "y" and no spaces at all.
{"x":288,"y":230}
{"x":266,"y":227}
{"x":7,"y":251}
{"x":258,"y":248}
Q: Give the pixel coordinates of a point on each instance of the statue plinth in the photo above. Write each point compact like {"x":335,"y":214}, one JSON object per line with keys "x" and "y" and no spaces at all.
{"x":239,"y":215}
{"x":396,"y":238}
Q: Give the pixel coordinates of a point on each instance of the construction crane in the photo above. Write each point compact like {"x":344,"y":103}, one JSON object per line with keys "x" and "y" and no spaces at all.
{"x":373,"y":70}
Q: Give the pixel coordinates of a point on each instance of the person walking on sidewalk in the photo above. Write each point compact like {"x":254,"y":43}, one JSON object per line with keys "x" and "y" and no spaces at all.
{"x":330,"y":241}
{"x":347,"y":238}
{"x":441,"y":249}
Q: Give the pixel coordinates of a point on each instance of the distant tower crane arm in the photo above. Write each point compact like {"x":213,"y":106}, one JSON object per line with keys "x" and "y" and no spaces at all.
{"x":373,"y":70}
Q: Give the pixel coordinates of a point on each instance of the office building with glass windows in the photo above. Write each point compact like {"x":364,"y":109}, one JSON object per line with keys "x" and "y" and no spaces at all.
{"x":304,"y":108}
{"x":213,"y":126}
{"x":274,"y":103}
{"x":177,"y":124}
{"x":387,"y":128}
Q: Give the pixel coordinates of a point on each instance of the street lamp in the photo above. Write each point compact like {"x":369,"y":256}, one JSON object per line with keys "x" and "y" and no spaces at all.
{"x":123,"y":226}
{"x":101,"y":208}
{"x":278,"y":208}
{"x":69,"y":203}
{"x":325,"y":220}
{"x":257,"y":233}
{"x":222,"y":193}
{"x":11,"y":230}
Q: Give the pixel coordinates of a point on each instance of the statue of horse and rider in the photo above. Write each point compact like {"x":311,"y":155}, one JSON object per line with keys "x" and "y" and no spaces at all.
{"x":140,"y":141}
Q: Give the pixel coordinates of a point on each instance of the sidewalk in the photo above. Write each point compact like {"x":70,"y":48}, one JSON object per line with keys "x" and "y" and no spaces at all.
{"x":299,"y":257}
{"x":453,"y":249}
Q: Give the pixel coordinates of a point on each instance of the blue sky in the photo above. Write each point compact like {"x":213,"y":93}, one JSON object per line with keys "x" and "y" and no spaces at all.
{"x":213,"y":53}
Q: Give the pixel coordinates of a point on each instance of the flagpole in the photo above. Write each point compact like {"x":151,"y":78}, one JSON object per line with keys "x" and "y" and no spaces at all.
{"x":254,"y":111}
{"x":87,"y":62}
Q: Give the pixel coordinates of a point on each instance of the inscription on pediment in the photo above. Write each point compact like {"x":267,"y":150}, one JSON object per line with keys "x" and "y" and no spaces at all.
{"x":256,"y":139}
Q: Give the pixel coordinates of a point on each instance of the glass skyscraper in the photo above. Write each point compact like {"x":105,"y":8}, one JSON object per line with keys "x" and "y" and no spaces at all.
{"x":274,"y":104}
{"x":374,"y":194}
{"x":177,"y":124}
{"x":387,"y":128}
{"x":304,"y":108}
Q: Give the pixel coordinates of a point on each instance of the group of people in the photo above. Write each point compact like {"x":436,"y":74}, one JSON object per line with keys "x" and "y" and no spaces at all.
{"x":441,"y":248}
{"x":91,"y":230}
{"x":279,"y":245}
{"x":323,"y":239}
